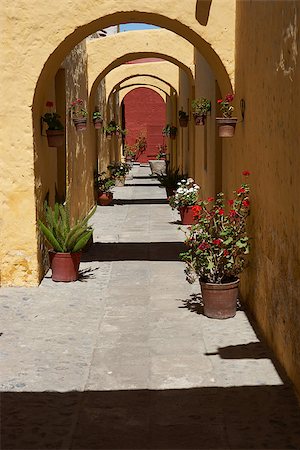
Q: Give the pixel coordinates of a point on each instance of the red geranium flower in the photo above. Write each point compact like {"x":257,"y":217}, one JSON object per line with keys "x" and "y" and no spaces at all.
{"x":241,"y":190}
{"x":210,"y":199}
{"x":225,"y":252}
{"x":49,"y":104}
{"x":232,"y":213}
{"x":203,"y":246}
{"x":219,"y":101}
{"x":230,"y":202}
{"x":229,"y":97}
{"x":221,"y":212}
{"x":246,"y":173}
{"x":217,"y":242}
{"x":246,"y":203}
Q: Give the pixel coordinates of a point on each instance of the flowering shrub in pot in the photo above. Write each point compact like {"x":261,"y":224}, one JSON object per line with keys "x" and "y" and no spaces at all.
{"x":170,"y":180}
{"x":104,"y":185}
{"x":201,"y":107}
{"x":118,"y":171}
{"x":226,"y":123}
{"x":185,"y":197}
{"x":79,"y":114}
{"x":55,"y":131}
{"x":97,"y":119}
{"x":217,"y":247}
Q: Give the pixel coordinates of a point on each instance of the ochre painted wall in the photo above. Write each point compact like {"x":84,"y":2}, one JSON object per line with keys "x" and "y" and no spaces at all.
{"x":267,"y":143}
{"x":145,"y":113}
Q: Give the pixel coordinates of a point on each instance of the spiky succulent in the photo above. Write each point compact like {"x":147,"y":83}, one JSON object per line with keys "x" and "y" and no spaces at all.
{"x":58,"y":231}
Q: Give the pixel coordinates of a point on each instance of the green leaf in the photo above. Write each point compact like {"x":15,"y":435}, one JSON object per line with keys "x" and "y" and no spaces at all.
{"x":82,"y":242}
{"x":50,"y":237}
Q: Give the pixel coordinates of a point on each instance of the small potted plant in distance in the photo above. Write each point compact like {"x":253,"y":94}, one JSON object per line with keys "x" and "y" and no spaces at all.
{"x":201,"y":107}
{"x":118,"y":171}
{"x":183,"y":119}
{"x":110,"y":129}
{"x":66,"y":240}
{"x":158,"y":166}
{"x":129,"y":154}
{"x":217,"y":249}
{"x":79,"y":114}
{"x":55,"y":131}
{"x":170,"y":180}
{"x":97,"y":119}
{"x":185,"y":197}
{"x":226,"y":123}
{"x":104,"y":185}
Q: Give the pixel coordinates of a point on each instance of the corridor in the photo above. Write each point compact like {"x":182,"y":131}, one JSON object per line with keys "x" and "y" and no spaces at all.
{"x":124,"y":358}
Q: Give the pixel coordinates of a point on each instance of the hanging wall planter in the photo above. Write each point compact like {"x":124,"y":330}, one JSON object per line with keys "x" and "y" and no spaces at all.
{"x":80,"y":123}
{"x":200,"y":120}
{"x":55,"y":138}
{"x":201,"y":107}
{"x":226,"y":126}
{"x":183,"y":119}
{"x":97,"y":120}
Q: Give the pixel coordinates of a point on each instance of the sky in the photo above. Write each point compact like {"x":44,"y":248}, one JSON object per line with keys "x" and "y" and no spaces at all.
{"x":135,"y":26}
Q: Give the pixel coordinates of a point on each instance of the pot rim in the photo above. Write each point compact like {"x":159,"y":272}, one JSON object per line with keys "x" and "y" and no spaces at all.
{"x":235,"y":281}
{"x":63,"y":253}
{"x":227,"y":119}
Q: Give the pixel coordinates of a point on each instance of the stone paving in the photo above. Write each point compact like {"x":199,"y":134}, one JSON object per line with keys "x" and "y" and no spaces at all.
{"x":125,"y":359}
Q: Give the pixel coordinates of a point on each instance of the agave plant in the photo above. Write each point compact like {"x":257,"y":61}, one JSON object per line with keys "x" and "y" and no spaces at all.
{"x":61,"y":235}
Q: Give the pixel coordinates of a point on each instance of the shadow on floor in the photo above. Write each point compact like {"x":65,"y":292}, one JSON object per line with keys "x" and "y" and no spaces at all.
{"x":134,"y":251}
{"x":252,"y":350}
{"x":142,"y":201}
{"x":247,"y":417}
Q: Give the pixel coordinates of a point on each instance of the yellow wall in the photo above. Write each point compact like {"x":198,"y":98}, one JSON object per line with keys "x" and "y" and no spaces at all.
{"x":267,"y":143}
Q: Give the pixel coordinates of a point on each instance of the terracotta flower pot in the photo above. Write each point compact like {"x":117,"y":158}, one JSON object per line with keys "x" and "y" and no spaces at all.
{"x":200,"y":120}
{"x":105,"y":198}
{"x":55,"y":138}
{"x":183,"y":122}
{"x":97,"y":123}
{"x":64,"y":266}
{"x":80,"y":124}
{"x":226,"y":126}
{"x":220,"y":299}
{"x":187,"y":215}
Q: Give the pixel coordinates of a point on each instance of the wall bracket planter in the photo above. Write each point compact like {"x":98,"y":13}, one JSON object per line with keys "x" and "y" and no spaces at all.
{"x":226,"y":126}
{"x":200,"y":120}
{"x":97,"y":123}
{"x":55,"y":138}
{"x":80,"y":123}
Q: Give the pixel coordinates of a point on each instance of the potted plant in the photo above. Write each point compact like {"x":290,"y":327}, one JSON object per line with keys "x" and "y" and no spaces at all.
{"x":97,"y":119}
{"x":183,"y":119}
{"x":129,"y":154}
{"x":140,"y":145}
{"x":226,"y":123}
{"x":66,"y":240}
{"x":118,"y":171}
{"x":55,"y":131}
{"x":110,"y":129}
{"x":201,"y":107}
{"x":170,"y":180}
{"x":185,"y":197}
{"x":169,"y":131}
{"x":79,"y":114}
{"x":104,"y":185}
{"x":217,"y":249}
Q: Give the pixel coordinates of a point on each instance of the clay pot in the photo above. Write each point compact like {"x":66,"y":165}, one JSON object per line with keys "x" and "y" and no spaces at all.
{"x":80,"y":124}
{"x":183,"y":122}
{"x":55,"y":138}
{"x":97,"y":123}
{"x":226,"y":126}
{"x":220,"y":299}
{"x":105,"y":198}
{"x":64,"y":266}
{"x":187,"y":215}
{"x":200,"y":120}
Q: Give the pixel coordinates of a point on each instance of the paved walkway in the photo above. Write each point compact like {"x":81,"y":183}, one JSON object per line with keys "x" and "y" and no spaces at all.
{"x":124,"y":358}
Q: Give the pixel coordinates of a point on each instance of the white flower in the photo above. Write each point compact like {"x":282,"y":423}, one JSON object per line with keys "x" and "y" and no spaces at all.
{"x":183,"y":181}
{"x":190,"y":180}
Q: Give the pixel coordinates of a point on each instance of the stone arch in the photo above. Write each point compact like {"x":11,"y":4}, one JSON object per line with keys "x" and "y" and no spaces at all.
{"x":152,"y":43}
{"x":124,"y":90}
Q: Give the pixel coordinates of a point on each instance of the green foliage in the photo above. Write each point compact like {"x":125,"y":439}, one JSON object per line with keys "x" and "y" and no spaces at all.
{"x":201,"y":106}
{"x":118,"y":169}
{"x":218,"y":243}
{"x":52,"y":120}
{"x":104,"y":183}
{"x":171,"y":178}
{"x":113,"y":128}
{"x":97,"y":115}
{"x":183,"y":115}
{"x":58,"y":231}
{"x":169,"y":131}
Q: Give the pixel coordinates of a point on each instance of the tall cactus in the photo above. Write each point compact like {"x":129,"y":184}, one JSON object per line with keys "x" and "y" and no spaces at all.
{"x":63,"y":237}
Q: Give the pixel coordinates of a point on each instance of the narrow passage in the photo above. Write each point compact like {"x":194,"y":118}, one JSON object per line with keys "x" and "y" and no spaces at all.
{"x":124,"y":358}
